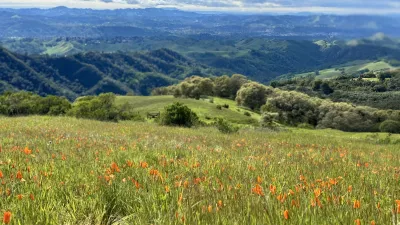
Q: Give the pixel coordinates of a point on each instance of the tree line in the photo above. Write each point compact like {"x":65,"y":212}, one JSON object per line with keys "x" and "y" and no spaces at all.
{"x":102,"y":107}
{"x":288,"y":107}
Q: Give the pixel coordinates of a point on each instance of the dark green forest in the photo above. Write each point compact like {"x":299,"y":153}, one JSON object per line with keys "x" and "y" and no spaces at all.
{"x":94,"y":73}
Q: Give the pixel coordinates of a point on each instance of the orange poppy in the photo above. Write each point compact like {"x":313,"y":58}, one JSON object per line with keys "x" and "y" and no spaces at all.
{"x":7,"y":217}
{"x":114,"y":167}
{"x":357,"y":204}
{"x":286,"y":214}
{"x":19,"y":175}
{"x":258,"y":190}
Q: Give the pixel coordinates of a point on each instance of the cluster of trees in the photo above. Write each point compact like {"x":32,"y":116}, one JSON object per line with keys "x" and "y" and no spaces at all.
{"x":382,"y":93}
{"x":294,"y":108}
{"x":195,"y":87}
{"x":247,"y":94}
{"x":26,"y":103}
{"x":100,"y":107}
{"x":290,"y":107}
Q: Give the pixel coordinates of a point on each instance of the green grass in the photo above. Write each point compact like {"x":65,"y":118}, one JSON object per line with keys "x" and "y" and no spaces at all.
{"x":350,"y":68}
{"x":203,"y":108}
{"x":89,"y":172}
{"x":62,"y":48}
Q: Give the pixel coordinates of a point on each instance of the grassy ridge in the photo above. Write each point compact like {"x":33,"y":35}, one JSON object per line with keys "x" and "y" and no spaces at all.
{"x":203,"y":108}
{"x":69,"y":171}
{"x":350,"y":68}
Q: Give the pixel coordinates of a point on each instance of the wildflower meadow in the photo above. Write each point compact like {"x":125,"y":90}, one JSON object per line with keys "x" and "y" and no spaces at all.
{"x":69,"y":171}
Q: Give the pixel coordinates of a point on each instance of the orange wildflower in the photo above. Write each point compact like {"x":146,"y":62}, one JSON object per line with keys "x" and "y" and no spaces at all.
{"x":259,"y":180}
{"x":167,"y":189}
{"x":272,"y":189}
{"x":32,"y":197}
{"x":357,"y":222}
{"x":20,"y":197}
{"x":129,"y":163}
{"x":19,"y":175}
{"x":373,"y":222}
{"x":220,"y":204}
{"x":258,"y":190}
{"x":137,"y":185}
{"x":350,"y":189}
{"x":317,"y":192}
{"x":27,"y":151}
{"x":144,"y":164}
{"x":1,"y":175}
{"x":357,"y":204}
{"x":398,"y":206}
{"x":115,"y":168}
{"x":197,"y":180}
{"x":209,"y":208}
{"x":7,"y":217}
{"x":286,"y":214}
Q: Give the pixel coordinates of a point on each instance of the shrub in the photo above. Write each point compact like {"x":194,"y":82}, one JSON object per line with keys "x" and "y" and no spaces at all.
{"x":252,"y":95}
{"x":219,"y":107}
{"x":226,"y":127}
{"x":247,"y":114}
{"x":178,"y":114}
{"x":226,"y":106}
{"x":267,"y":119}
{"x":390,"y":126}
{"x":99,"y":108}
{"x":26,"y":103}
{"x":125,"y":112}
{"x":305,"y":126}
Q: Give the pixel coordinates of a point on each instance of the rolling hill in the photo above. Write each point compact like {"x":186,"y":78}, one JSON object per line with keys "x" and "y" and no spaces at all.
{"x":93,"y":73}
{"x":354,"y":67}
{"x":203,"y":108}
{"x":261,"y":59}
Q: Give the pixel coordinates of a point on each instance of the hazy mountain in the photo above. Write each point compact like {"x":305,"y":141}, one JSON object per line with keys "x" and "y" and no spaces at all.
{"x":62,"y":21}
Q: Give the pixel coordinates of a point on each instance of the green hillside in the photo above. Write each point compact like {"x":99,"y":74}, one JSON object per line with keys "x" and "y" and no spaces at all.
{"x":261,"y":59}
{"x":93,"y":72}
{"x":203,"y":108}
{"x":349,"y":68}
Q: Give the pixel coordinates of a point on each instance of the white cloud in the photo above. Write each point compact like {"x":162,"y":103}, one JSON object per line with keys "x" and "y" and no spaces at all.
{"x":255,"y":6}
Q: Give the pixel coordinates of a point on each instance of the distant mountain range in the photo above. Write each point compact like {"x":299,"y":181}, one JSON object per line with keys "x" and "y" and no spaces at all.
{"x":67,"y":22}
{"x":83,"y":66}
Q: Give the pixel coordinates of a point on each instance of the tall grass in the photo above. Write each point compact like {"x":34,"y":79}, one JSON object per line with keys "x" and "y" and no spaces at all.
{"x":87,"y":172}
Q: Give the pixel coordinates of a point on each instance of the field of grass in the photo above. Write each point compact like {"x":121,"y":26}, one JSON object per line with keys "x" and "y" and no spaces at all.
{"x":68,"y":171}
{"x":203,"y":108}
{"x":350,"y":68}
{"x":62,"y":48}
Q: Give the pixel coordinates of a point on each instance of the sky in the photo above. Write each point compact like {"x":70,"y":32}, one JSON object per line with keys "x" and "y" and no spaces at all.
{"x":244,"y":6}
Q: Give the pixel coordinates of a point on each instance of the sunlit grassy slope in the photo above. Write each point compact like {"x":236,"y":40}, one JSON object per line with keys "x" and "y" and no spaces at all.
{"x":69,"y":171}
{"x":203,"y":108}
{"x":350,"y":68}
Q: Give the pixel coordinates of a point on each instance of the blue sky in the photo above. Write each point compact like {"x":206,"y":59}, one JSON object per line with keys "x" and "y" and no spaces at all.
{"x":278,"y":6}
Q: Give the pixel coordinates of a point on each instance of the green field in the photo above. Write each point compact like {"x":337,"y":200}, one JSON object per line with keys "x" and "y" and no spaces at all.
{"x":57,"y":170}
{"x":350,"y":68}
{"x":203,"y":108}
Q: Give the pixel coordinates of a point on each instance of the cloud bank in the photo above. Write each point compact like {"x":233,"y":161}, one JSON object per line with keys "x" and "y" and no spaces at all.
{"x":247,"y":6}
